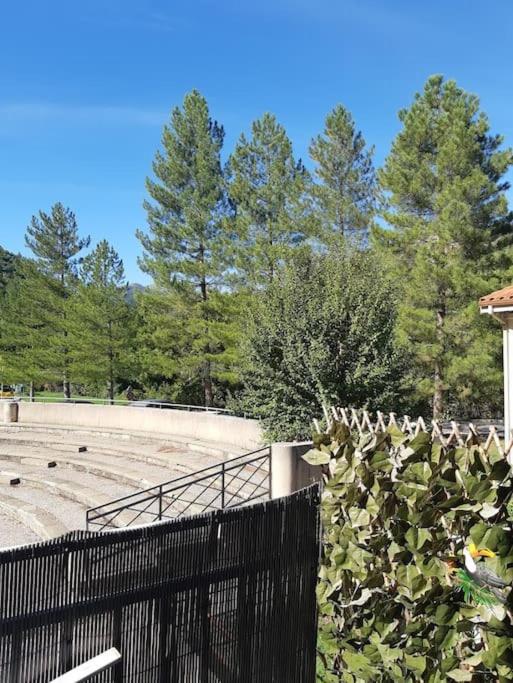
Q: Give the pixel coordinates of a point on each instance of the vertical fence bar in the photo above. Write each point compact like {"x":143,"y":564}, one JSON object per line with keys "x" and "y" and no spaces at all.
{"x":270,"y":473}
{"x":222,"y":484}
{"x":160,"y":502}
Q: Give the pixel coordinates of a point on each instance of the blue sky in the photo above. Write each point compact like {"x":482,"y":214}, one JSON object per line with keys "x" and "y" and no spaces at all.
{"x":86,"y":87}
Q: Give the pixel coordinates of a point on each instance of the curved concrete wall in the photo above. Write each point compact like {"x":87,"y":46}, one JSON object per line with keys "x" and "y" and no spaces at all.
{"x":225,"y":430}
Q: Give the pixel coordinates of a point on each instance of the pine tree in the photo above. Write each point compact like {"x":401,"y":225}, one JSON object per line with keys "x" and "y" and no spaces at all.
{"x":268,"y":187}
{"x":26,"y":321}
{"x":100,"y":329}
{"x":186,"y":250}
{"x":346,"y":192}
{"x":53,"y":239}
{"x":449,"y":220}
{"x":7,"y":268}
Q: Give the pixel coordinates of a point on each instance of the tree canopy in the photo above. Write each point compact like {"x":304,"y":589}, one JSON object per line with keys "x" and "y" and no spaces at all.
{"x":450,"y":226}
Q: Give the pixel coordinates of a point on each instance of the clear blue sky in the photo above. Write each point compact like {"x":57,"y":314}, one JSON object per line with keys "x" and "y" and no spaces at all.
{"x":85,"y":87}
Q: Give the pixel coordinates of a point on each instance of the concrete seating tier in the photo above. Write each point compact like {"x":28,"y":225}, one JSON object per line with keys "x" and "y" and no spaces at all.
{"x":50,"y":501}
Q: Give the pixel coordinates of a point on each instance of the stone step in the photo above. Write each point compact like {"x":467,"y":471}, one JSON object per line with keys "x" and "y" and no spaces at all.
{"x":219,"y":449}
{"x":85,"y":496}
{"x":40,"y":521}
{"x":181,"y":461}
{"x":87,"y":464}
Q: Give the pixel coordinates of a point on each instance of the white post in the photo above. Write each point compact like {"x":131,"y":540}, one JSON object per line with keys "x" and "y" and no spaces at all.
{"x":91,"y":668}
{"x":507,"y":336}
{"x":500,"y":305}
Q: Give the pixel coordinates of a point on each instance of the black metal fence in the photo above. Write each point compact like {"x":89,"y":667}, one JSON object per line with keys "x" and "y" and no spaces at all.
{"x":238,"y":481}
{"x":224,"y":597}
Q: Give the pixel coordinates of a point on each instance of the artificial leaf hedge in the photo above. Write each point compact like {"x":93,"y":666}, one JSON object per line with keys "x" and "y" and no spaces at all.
{"x":395,"y":510}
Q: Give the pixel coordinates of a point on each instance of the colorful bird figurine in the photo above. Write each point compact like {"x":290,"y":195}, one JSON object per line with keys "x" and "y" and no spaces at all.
{"x":478,"y":581}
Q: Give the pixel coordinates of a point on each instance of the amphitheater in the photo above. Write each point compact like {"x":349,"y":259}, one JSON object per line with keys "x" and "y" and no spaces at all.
{"x":58,"y":460}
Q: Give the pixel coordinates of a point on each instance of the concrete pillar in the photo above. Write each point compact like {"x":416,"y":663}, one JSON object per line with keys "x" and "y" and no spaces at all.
{"x":289,"y":472}
{"x":9,"y":411}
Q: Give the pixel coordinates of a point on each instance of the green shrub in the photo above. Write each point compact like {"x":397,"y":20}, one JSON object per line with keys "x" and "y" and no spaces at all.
{"x":395,"y":509}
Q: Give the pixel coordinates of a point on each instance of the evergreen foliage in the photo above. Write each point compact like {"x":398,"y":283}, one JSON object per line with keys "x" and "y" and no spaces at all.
{"x":322,"y":333}
{"x":269,"y":189}
{"x":346,"y":193}
{"x":26,"y":320}
{"x":187,"y":248}
{"x":7,"y":268}
{"x":450,"y":228}
{"x":225,"y":248}
{"x":100,"y":322}
{"x":397,"y":511}
{"x":171,"y":343}
{"x":54,"y":240}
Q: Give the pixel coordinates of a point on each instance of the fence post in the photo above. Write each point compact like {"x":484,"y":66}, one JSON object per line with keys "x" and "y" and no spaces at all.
{"x":289,"y":472}
{"x":160,"y":502}
{"x":222,"y":485}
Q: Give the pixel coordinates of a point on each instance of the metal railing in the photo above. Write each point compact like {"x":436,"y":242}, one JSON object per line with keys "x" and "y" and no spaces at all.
{"x":231,"y":483}
{"x":139,"y":403}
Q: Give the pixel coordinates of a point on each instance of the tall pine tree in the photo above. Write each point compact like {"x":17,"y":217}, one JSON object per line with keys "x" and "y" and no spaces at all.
{"x":7,"y":268}
{"x":346,"y":191}
{"x":54,"y":240}
{"x":186,"y":249}
{"x":269,"y":190}
{"x":100,"y":322}
{"x":25,"y":321}
{"x":449,"y":219}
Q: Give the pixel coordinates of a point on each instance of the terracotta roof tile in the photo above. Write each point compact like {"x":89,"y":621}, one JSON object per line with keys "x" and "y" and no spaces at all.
{"x":502,"y":297}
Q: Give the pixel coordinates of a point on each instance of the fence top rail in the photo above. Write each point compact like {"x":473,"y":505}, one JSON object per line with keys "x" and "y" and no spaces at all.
{"x":180,"y":482}
{"x":140,"y":403}
{"x":448,"y":432}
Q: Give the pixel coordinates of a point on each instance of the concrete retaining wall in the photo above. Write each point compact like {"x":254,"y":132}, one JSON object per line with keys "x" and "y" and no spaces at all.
{"x":225,"y":430}
{"x":288,"y":471}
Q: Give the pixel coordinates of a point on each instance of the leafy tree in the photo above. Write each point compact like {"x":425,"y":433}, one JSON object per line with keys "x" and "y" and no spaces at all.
{"x":323,"y":333}
{"x":186,"y":250}
{"x":100,"y":329}
{"x":346,"y":192}
{"x":53,"y":239}
{"x":449,"y":223}
{"x":268,"y":187}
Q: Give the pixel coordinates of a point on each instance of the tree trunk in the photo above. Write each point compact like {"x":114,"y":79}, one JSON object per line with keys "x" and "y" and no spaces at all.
{"x":207,"y":377}
{"x":111,"y":366}
{"x":66,"y":387}
{"x":31,"y":391}
{"x":207,"y":385}
{"x":110,"y":388}
{"x":438,"y":395}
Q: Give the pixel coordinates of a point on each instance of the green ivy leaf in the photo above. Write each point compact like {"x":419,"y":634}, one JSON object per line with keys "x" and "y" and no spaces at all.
{"x":316,"y":457}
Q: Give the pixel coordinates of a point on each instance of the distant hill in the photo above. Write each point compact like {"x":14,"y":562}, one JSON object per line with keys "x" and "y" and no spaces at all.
{"x":132,"y":290}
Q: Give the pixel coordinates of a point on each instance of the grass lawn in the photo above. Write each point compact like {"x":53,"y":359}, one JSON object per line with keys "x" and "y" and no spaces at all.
{"x":57,"y":395}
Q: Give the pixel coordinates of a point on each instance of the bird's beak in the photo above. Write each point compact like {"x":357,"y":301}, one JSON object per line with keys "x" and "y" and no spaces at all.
{"x":485,"y":552}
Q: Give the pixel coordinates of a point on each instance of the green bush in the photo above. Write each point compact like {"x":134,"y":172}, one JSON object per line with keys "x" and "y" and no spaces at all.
{"x":395,"y":509}
{"x":322,"y":332}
